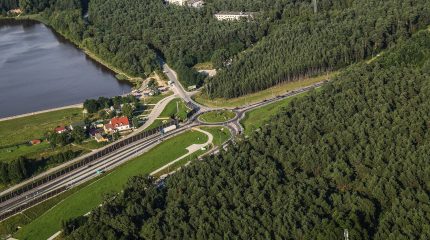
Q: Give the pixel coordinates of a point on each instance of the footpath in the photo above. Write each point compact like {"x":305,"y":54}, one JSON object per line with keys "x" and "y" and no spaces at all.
{"x":80,"y":105}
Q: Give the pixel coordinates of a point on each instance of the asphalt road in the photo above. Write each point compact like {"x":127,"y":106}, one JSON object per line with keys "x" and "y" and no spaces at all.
{"x":126,"y":153}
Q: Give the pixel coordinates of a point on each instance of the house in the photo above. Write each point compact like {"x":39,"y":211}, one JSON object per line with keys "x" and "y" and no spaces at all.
{"x":60,"y":130}
{"x":98,"y":124}
{"x":35,"y":141}
{"x":78,"y":124}
{"x":232,"y":16}
{"x":95,"y":131}
{"x":99,"y":138}
{"x":117,"y":124}
{"x":195,"y":3}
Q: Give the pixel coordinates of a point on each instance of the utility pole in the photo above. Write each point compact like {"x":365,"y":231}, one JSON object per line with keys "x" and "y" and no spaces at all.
{"x":314,"y":2}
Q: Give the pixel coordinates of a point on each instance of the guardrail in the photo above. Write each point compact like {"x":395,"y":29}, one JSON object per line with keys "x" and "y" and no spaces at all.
{"x":88,"y":159}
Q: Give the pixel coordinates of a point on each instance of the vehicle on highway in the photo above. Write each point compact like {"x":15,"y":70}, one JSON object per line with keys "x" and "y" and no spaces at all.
{"x":99,"y":171}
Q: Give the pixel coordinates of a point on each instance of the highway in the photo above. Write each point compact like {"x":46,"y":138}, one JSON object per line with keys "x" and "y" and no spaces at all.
{"x":126,"y":153}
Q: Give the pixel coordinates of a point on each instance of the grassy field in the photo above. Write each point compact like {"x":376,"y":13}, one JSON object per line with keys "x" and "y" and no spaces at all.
{"x":203,"y":66}
{"x":256,"y":118}
{"x":261,"y":95}
{"x":220,"y":134}
{"x":12,"y":153}
{"x":91,"y":196}
{"x":10,"y":225}
{"x":175,"y":107}
{"x":217,"y":116}
{"x":27,"y":128}
{"x":156,"y":99}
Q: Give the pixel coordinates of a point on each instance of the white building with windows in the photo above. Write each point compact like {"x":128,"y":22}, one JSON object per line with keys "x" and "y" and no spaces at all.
{"x":232,"y":16}
{"x":177,"y":2}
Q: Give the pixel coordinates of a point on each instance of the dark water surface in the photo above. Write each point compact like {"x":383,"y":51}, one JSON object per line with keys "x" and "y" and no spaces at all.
{"x":40,"y":70}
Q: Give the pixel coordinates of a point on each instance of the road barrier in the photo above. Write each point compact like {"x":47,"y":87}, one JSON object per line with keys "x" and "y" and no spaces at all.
{"x":84,"y":161}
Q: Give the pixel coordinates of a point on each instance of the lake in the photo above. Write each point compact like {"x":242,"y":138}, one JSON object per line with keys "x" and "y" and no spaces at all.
{"x":41,"y":70}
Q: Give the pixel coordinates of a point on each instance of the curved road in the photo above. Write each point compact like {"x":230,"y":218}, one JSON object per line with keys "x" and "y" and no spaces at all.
{"x":126,"y":153}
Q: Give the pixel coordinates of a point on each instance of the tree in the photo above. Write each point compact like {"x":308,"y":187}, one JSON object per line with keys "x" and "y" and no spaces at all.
{"x":78,"y":134}
{"x":127,"y":110}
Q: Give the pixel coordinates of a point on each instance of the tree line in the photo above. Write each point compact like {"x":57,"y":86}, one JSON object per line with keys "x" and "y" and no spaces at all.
{"x":352,"y":156}
{"x":22,"y":168}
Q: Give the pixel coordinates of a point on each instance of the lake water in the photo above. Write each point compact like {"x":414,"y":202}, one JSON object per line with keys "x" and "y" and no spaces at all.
{"x":40,"y":70}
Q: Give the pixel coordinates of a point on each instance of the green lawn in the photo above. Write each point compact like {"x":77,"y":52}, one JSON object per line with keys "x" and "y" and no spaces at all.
{"x":220,"y":134}
{"x":217,"y":116}
{"x":261,"y":95}
{"x":175,"y":107}
{"x":91,"y":196}
{"x":156,"y":99}
{"x":27,"y":128}
{"x":12,"y":153}
{"x":256,"y":118}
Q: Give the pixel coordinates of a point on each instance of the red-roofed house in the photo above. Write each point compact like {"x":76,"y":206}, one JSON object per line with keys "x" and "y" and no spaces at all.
{"x":117,"y":124}
{"x":60,"y":130}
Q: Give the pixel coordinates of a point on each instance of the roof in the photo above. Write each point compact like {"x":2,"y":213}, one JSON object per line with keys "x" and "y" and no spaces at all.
{"x":60,"y":129}
{"x":119,"y":121}
{"x":235,"y":13}
{"x":108,"y":126}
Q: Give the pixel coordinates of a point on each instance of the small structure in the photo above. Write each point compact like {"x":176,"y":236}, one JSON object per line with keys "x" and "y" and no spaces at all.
{"x":195,"y":3}
{"x":177,"y":2}
{"x":232,"y":16}
{"x":60,"y":130}
{"x":78,"y":124}
{"x":192,"y":88}
{"x":35,"y":141}
{"x":99,"y":138}
{"x":94,"y":131}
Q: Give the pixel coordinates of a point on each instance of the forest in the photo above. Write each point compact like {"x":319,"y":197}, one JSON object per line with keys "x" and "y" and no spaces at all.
{"x":304,"y":44}
{"x":353,"y":156}
{"x":23,"y":168}
{"x":286,"y":41}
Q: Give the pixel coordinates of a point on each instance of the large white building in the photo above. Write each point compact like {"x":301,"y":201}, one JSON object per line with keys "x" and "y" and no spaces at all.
{"x":231,"y":16}
{"x":177,"y":2}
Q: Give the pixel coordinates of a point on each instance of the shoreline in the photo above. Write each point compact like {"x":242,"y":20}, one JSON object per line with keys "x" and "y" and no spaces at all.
{"x":38,"y":18}
{"x":79,"y":105}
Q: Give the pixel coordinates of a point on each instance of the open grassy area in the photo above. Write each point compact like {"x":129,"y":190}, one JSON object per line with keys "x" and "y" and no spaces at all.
{"x":10,"y":225}
{"x":14,"y":152}
{"x":256,"y":118}
{"x":203,"y":66}
{"x":177,"y":108}
{"x":27,"y":128}
{"x":217,"y":116}
{"x":220,"y":134}
{"x":261,"y":95}
{"x":91,"y":196}
{"x":156,"y":99}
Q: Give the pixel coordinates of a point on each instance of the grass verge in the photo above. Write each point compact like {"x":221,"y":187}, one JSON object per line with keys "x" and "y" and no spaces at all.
{"x":91,"y":196}
{"x":256,"y":118}
{"x":261,"y":95}
{"x":217,"y":116}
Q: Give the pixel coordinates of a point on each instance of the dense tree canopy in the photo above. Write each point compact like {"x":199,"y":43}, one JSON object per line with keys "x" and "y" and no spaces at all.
{"x":303,"y":44}
{"x":353,"y":156}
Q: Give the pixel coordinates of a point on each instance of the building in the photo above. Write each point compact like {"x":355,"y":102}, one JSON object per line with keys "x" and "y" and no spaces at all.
{"x":60,"y":130}
{"x":189,"y":3}
{"x":78,"y":124}
{"x":117,"y":124}
{"x":233,"y":16}
{"x":177,"y":2}
{"x":99,"y":138}
{"x":195,"y":3}
{"x":35,"y":141}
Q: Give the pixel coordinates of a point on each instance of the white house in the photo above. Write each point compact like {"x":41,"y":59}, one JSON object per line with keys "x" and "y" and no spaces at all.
{"x":232,"y":16}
